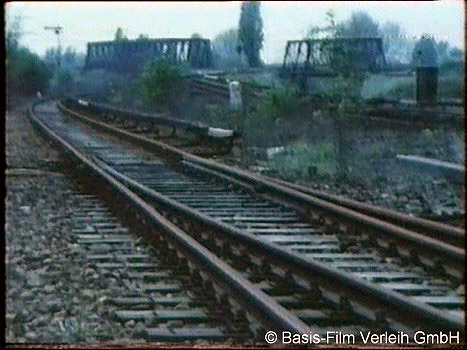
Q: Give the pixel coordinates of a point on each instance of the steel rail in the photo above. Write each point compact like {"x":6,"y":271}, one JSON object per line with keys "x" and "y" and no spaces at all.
{"x":427,"y":247}
{"x":395,"y":304}
{"x":222,"y":88}
{"x":435,"y":229}
{"x":159,"y":119}
{"x":451,"y":256}
{"x":265,"y":305}
{"x":374,"y":110}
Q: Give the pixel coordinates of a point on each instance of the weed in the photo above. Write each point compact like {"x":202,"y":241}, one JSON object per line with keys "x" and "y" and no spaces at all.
{"x":162,"y":85}
{"x":280,"y":103}
{"x":303,"y":160}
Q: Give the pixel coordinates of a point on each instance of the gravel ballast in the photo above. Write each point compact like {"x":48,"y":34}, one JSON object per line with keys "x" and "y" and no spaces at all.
{"x":50,"y":297}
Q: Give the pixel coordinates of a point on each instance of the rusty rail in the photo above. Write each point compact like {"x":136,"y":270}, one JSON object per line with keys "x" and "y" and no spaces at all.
{"x":249,"y":90}
{"x":156,"y":119}
{"x":264,"y":305}
{"x":443,"y":232}
{"x":376,"y":295}
{"x":393,"y":302}
{"x":432,"y":250}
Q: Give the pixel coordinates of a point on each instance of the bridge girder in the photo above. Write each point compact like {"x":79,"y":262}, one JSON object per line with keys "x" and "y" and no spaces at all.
{"x":316,"y":57}
{"x":130,"y":55}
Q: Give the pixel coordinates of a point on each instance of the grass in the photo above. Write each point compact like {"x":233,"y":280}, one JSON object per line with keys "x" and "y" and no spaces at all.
{"x":302,"y":160}
{"x":450,"y":86}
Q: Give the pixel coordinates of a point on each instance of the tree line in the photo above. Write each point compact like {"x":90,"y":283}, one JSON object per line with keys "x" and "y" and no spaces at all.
{"x":26,"y":72}
{"x":241,"y":46}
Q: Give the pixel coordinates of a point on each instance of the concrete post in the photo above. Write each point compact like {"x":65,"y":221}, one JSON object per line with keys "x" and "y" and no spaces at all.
{"x":235,"y":93}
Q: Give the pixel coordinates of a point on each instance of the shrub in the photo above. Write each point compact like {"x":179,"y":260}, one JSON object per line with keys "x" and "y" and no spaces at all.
{"x":162,"y":85}
{"x":450,"y":84}
{"x":26,"y":73}
{"x":303,"y":160}
{"x":62,"y":83}
{"x":282,"y":102}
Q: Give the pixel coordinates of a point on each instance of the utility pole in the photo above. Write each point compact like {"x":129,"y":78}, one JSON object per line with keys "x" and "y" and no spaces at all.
{"x":58,"y":30}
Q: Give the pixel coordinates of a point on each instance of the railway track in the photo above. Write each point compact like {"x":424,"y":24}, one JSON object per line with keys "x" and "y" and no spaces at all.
{"x":445,"y":233}
{"x":315,"y":272}
{"x":171,"y":308}
{"x":161,"y":301}
{"x":379,"y":112}
{"x":250,"y":92}
{"x":192,"y":137}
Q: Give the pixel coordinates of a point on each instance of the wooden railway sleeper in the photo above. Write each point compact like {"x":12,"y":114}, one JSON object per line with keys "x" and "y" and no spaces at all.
{"x":242,"y":322}
{"x":392,"y":250}
{"x":439,"y":269}
{"x":414,"y":258}
{"x":225,"y":305}
{"x":381,"y":322}
{"x":182,"y":266}
{"x":369,"y":316}
{"x":266,"y":267}
{"x":344,"y":313}
{"x":288,"y":284}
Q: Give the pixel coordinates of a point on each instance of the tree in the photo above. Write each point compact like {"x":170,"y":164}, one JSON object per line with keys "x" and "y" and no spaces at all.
{"x":162,"y":84}
{"x":13,"y":32}
{"x":225,"y":49}
{"x":119,"y":36}
{"x":344,"y":59}
{"x":442,"y":47}
{"x":350,"y":75}
{"x":50,"y":56}
{"x":328,"y":31}
{"x":143,"y":37}
{"x":360,"y":25}
{"x":225,"y":43}
{"x":69,"y":57}
{"x":63,"y":82}
{"x":250,"y":32}
{"x":26,"y":72}
{"x":196,"y":36}
{"x":397,"y":47}
{"x":456,"y":54}
{"x":424,"y":52}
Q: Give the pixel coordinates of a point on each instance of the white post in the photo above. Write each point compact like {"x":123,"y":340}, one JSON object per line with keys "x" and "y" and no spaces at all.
{"x":235,"y":92}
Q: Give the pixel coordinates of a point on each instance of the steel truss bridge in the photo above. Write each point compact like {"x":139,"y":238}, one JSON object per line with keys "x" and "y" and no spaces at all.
{"x":131,"y":55}
{"x":315,"y":57}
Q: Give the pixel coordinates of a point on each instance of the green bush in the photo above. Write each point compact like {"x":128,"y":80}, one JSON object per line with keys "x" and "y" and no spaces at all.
{"x":303,"y":160}
{"x":26,"y":73}
{"x":63,"y":83}
{"x":450,"y":85}
{"x":162,"y":85}
{"x":218,"y":116}
{"x":259,"y":130}
{"x":280,"y":103}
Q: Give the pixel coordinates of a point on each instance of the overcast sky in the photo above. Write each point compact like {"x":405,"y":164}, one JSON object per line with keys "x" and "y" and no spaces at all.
{"x":282,"y":21}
